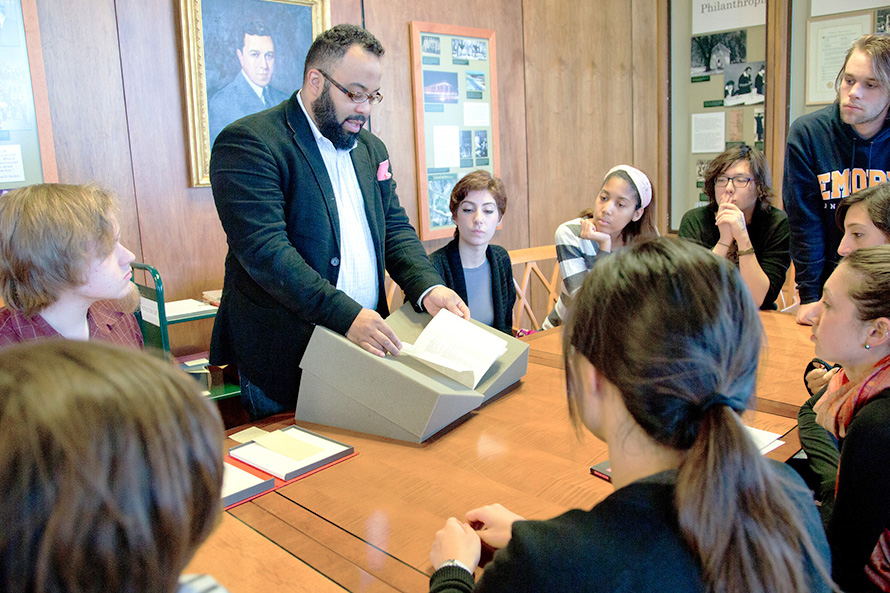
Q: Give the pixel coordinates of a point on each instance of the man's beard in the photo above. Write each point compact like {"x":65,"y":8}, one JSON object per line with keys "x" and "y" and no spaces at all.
{"x":326,"y":119}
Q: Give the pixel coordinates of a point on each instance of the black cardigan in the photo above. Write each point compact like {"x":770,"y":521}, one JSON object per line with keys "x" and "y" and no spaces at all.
{"x":503,"y":294}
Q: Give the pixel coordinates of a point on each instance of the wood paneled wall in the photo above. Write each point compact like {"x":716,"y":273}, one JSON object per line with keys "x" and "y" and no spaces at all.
{"x":592,"y":100}
{"x":579,"y":91}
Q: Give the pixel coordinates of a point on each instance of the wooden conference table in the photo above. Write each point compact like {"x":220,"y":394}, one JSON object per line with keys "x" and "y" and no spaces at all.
{"x":367,"y":524}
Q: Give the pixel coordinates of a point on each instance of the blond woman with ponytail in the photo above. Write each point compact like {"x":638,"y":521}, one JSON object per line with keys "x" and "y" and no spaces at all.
{"x":661,"y":354}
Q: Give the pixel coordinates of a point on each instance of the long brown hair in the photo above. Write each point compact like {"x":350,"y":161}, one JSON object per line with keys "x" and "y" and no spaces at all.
{"x":683,"y":334}
{"x":111,"y":469}
{"x":871,"y":282}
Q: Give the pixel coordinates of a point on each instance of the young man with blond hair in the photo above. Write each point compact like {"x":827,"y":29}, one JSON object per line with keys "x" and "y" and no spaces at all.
{"x":832,"y":154}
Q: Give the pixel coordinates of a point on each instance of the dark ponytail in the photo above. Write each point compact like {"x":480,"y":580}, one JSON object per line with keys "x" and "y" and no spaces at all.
{"x":673,"y":327}
{"x":755,"y":542}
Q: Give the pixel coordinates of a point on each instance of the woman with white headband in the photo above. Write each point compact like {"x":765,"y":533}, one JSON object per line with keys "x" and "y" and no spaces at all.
{"x":739,"y":222}
{"x":619,"y":215}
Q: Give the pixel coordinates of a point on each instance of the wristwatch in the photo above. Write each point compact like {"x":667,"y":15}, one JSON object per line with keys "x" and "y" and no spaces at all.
{"x":457,"y":563}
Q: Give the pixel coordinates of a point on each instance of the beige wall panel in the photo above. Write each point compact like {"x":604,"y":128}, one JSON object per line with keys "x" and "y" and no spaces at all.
{"x":86,"y":99}
{"x":649,"y":95}
{"x":580,"y":104}
{"x":346,"y":11}
{"x":393,"y":119}
{"x":181,"y":234}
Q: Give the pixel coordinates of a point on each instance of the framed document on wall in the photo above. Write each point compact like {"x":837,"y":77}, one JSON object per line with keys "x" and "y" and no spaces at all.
{"x":27,"y":154}
{"x":240,"y":57}
{"x":828,"y":39}
{"x":455,"y":113}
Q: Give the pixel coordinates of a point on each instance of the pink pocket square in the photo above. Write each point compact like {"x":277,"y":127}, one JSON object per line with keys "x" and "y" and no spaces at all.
{"x":383,"y":171}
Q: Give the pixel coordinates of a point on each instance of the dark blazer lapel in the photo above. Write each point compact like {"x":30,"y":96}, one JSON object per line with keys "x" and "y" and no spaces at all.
{"x":365,"y":172}
{"x":305,"y":141}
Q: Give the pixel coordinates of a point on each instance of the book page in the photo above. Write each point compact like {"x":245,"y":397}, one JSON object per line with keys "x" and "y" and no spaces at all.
{"x":460,"y":345}
{"x":331,"y":447}
{"x":236,"y":479}
{"x":463,"y":375}
{"x":248,"y":434}
{"x":281,"y":443}
{"x":265,"y":459}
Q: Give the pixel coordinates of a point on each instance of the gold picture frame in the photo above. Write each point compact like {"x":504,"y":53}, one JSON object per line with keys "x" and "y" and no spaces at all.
{"x":212,"y":31}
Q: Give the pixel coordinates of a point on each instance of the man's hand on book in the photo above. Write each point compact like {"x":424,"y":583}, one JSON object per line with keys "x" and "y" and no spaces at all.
{"x":372,"y":333}
{"x":442,"y":297}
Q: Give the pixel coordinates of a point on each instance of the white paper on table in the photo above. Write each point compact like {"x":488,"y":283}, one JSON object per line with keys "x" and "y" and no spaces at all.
{"x":764,"y":440}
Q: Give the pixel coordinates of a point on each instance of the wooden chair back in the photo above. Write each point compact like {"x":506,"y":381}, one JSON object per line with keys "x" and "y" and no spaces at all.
{"x":788,"y":300}
{"x":392,"y":289}
{"x":529,"y":258}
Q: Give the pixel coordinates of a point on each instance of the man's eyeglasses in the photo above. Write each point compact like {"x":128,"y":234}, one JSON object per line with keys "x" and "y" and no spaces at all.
{"x":723,"y":181}
{"x":373,"y":99}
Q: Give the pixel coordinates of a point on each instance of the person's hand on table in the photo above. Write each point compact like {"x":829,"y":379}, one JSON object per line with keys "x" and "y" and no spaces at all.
{"x":493,"y":524}
{"x":442,"y":297}
{"x":372,"y":333}
{"x":456,"y":541}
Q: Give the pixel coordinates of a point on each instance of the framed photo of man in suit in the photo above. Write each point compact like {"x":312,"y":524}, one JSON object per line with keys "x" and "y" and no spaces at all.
{"x":241,"y":57}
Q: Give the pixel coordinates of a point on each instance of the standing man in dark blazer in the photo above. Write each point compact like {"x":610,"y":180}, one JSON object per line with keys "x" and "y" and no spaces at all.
{"x":307,"y":201}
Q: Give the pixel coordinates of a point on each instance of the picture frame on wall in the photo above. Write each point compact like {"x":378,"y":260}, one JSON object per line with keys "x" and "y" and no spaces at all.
{"x":455,"y":115}
{"x":828,"y":39}
{"x":241,"y":57}
{"x":27,"y":152}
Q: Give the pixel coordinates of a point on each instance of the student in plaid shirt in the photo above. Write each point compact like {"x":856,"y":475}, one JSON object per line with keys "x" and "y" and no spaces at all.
{"x":63,"y":270}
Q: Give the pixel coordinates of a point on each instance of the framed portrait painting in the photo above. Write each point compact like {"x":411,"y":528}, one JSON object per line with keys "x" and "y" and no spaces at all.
{"x":240,"y":57}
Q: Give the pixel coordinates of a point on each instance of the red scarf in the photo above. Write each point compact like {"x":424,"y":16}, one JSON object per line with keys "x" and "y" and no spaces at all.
{"x":834,"y":412}
{"x":842,"y":399}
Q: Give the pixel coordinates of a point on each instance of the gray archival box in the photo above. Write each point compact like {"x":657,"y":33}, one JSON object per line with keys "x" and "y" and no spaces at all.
{"x":399,"y":398}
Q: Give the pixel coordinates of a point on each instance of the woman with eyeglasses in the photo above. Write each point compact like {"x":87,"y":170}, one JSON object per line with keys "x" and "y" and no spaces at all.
{"x":741,"y":224}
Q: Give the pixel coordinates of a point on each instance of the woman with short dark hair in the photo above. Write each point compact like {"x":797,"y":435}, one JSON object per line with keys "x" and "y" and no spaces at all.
{"x":479,"y":272}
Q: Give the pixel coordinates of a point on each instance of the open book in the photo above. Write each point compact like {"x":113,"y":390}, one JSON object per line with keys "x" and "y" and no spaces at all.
{"x":287,"y":453}
{"x":456,"y":348}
